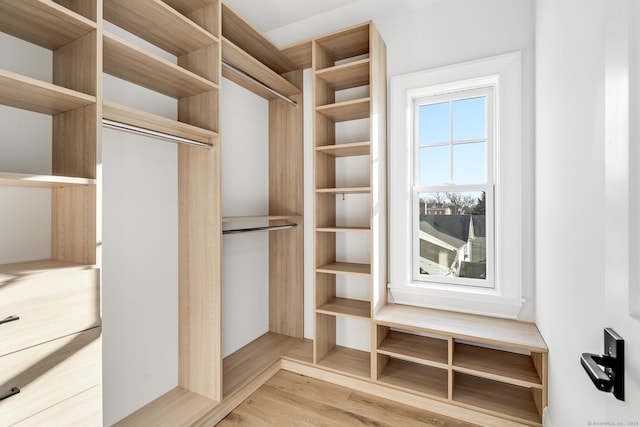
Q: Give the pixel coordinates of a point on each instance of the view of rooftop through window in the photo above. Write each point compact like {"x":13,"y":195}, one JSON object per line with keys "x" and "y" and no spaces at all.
{"x":452,"y":141}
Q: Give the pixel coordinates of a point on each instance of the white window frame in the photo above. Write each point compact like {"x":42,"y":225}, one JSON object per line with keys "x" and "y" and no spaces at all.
{"x":487,"y":90}
{"x":505,"y":298}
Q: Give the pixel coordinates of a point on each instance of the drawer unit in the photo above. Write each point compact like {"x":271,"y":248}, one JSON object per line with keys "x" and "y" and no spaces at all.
{"x":82,"y":410}
{"x":48,"y":374}
{"x":47,"y":306}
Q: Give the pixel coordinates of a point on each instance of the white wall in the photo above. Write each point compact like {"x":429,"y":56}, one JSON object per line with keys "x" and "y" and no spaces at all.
{"x":582,"y":201}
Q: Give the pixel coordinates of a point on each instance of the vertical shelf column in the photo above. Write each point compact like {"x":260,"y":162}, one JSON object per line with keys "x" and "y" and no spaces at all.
{"x":349,"y":85}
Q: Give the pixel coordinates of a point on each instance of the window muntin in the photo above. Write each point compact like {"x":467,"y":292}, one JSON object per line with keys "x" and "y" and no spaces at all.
{"x":453,"y":188}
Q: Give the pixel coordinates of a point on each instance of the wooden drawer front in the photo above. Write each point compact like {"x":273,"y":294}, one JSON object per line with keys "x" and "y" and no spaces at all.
{"x":48,"y":374}
{"x":49,"y":306}
{"x":82,"y":410}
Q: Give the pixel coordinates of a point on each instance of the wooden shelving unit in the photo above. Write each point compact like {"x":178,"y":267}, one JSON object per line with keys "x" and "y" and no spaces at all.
{"x":509,"y":382}
{"x":60,"y":359}
{"x":354,"y":58}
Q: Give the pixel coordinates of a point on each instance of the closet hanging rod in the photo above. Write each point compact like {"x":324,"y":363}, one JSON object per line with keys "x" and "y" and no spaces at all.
{"x":259,"y":83}
{"x":267,"y":228}
{"x":148,"y":132}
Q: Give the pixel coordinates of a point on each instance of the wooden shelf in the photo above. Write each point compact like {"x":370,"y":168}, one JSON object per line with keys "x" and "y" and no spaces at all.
{"x":245,"y":364}
{"x":260,"y":218}
{"x":131,"y":116}
{"x":187,"y":6}
{"x":22,"y":270}
{"x":346,"y":150}
{"x":416,"y":348}
{"x":301,"y":351}
{"x":299,"y":53}
{"x":348,"y":361}
{"x":345,"y":268}
{"x":246,"y":37}
{"x":343,"y":229}
{"x":42,"y":22}
{"x":45,"y":181}
{"x":158,"y":23}
{"x":38,"y":96}
{"x":249,"y":65}
{"x":416,"y":378}
{"x":345,"y":307}
{"x":347,"y":110}
{"x":510,"y":333}
{"x":344,"y":190}
{"x":496,"y":364}
{"x":346,"y":76}
{"x":495,"y":397}
{"x":126,"y":61}
{"x":347,"y":43}
{"x":176,"y":408}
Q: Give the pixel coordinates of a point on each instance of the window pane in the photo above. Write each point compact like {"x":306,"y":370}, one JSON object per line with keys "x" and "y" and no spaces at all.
{"x":469,"y":119}
{"x":434,"y":123}
{"x":469,"y":163}
{"x":434,"y":165}
{"x":452,"y":234}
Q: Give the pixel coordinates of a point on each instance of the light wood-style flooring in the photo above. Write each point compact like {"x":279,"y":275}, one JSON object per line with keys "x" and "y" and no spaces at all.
{"x":289,"y":399}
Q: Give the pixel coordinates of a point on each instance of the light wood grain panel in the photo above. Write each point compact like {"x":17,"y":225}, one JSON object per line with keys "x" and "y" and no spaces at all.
{"x":513,"y":402}
{"x":345,"y":268}
{"x":286,"y":197}
{"x":467,"y":326}
{"x":45,"y":181}
{"x":208,"y":16}
{"x":260,"y":218}
{"x":325,"y":335}
{"x":49,"y":373}
{"x":42,"y":22}
{"x":413,"y":377}
{"x":73,"y":224}
{"x":349,"y":361}
{"x":75,"y":64}
{"x":128,"y":62}
{"x":503,"y":365}
{"x":158,"y":23}
{"x":347,"y":110}
{"x":242,"y":60}
{"x":344,"y":190}
{"x":90,"y":9}
{"x":203,"y":62}
{"x":49,"y":306}
{"x":176,"y":408}
{"x":199,"y":311}
{"x":123,"y":114}
{"x":244,"y":35}
{"x":346,"y":150}
{"x":75,"y":139}
{"x":301,"y":351}
{"x":187,"y":6}
{"x":35,"y":95}
{"x":378,"y":172}
{"x":345,"y":307}
{"x":299,"y":53}
{"x":416,"y":348}
{"x":81,"y":410}
{"x":257,"y":356}
{"x":346,"y":76}
{"x":346,"y":43}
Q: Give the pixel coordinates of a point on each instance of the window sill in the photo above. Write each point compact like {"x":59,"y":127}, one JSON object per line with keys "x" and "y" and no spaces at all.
{"x":483,"y":302}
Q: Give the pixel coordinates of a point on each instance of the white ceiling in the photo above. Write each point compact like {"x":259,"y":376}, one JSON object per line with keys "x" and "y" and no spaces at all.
{"x":267,"y":15}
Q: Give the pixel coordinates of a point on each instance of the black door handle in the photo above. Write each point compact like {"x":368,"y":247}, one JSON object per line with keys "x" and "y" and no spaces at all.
{"x":599,"y":378}
{"x":607,"y":371}
{"x":12,"y":392}
{"x":9,"y":319}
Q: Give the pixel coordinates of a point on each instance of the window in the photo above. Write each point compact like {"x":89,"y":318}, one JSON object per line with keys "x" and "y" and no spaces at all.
{"x":453,"y":187}
{"x":460,"y":188}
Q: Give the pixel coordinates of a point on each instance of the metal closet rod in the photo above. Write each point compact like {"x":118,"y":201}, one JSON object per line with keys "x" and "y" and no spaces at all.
{"x":144,"y":131}
{"x":267,"y":228}
{"x":259,"y":83}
